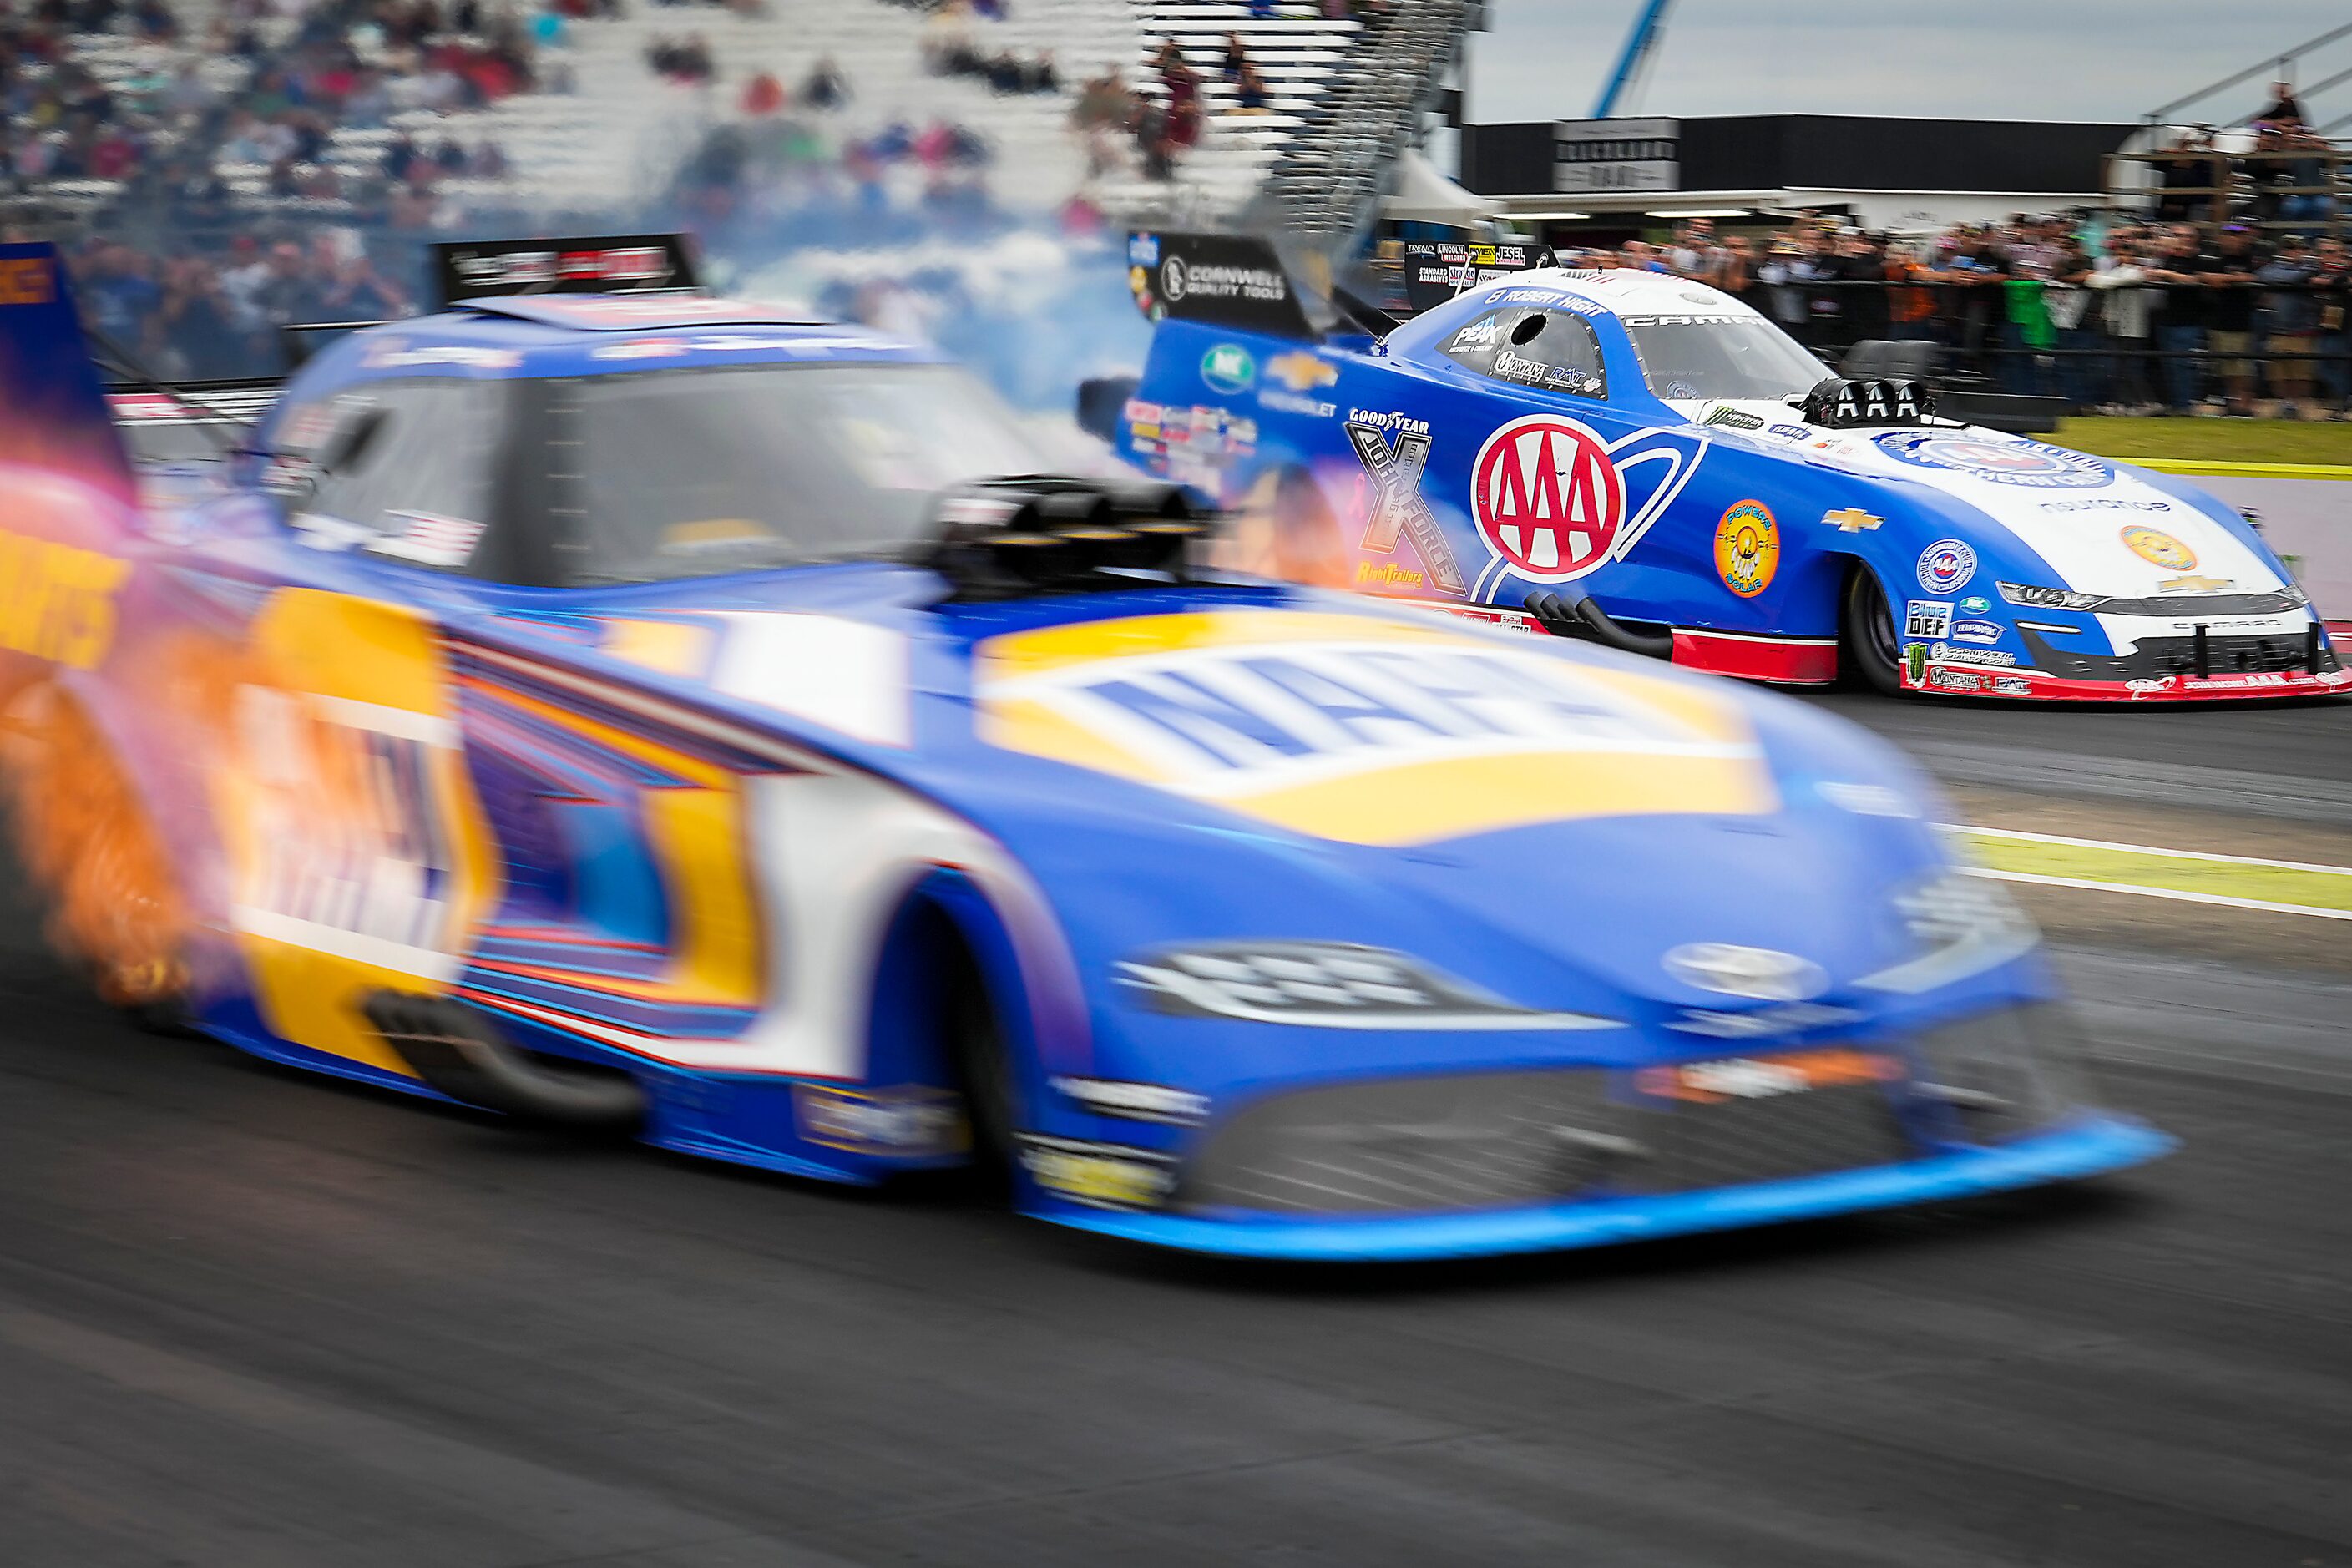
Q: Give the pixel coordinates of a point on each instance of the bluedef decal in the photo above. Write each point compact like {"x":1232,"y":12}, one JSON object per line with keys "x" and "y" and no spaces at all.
{"x":1395,"y":472}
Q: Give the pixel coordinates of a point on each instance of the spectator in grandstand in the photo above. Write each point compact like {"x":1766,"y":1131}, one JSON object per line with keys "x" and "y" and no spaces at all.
{"x":2284,"y":108}
{"x":825,"y":87}
{"x":118,"y":291}
{"x":200,"y":336}
{"x":763,"y":95}
{"x":1735,"y":266}
{"x":2288,"y":315}
{"x":2330,"y":286}
{"x":1250,"y":91}
{"x":2125,"y":310}
{"x":2230,"y":313}
{"x":2187,"y":178}
{"x":2181,"y":325}
{"x":1693,"y":252}
{"x":1236,"y":57}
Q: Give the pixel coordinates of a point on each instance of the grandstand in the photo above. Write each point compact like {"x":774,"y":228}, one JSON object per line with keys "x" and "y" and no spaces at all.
{"x":605,"y":132}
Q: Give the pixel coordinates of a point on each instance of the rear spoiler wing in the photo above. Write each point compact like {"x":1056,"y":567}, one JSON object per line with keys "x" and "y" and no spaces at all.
{"x":1239,"y":282}
{"x":1218,"y":280}
{"x":1436,"y":270}
{"x":56,"y":415}
{"x":600,"y":264}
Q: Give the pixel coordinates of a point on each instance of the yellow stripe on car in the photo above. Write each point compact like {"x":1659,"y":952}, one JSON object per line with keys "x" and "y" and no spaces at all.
{"x":2189,"y":876}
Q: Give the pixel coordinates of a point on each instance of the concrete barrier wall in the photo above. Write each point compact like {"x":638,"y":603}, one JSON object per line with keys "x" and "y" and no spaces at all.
{"x":2306,"y":513}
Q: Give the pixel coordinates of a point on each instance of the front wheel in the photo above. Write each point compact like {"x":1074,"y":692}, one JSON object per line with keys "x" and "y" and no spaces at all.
{"x":1866,"y":635}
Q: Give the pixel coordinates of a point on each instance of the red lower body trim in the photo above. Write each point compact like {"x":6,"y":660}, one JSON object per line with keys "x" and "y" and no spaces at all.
{"x":1795,"y":661}
{"x":1975,"y":681}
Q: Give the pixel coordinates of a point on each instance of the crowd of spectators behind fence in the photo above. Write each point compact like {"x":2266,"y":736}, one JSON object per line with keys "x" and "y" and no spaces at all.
{"x":2123,"y":318}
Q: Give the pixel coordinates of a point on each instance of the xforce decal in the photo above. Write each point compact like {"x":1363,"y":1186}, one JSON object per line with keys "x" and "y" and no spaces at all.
{"x":1554,"y":501}
{"x":1395,"y":472}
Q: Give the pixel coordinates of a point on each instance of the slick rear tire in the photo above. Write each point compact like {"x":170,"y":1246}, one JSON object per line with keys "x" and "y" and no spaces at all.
{"x":983,"y":1071}
{"x":1868,"y":646}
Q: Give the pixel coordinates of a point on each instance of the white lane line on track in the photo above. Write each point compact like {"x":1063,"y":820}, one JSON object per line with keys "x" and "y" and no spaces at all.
{"x":2174,"y":893}
{"x":2152,"y":849}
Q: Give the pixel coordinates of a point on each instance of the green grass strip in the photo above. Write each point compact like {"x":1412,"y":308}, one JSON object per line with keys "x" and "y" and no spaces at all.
{"x":2292,"y":886}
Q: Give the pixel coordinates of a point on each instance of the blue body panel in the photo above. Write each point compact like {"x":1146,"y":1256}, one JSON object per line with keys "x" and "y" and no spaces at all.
{"x":718,"y":833}
{"x":1736,"y":524}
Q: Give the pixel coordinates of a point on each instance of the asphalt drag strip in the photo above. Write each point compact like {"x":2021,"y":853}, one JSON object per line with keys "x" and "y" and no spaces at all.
{"x":259,"y":1318}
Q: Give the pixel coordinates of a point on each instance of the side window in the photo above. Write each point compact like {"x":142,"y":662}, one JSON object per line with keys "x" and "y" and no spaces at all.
{"x":408,"y":467}
{"x":1554,"y":351}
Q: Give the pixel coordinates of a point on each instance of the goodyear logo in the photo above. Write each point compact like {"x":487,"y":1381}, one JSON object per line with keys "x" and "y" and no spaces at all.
{"x":57,"y":601}
{"x":1365,"y":731}
{"x":27,"y":280}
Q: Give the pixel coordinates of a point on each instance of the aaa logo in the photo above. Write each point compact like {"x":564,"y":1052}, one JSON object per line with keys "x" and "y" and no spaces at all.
{"x":1547,"y":497}
{"x":1746,"y":548}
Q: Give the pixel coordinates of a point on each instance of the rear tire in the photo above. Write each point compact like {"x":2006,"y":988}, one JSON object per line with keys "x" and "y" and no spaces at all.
{"x":1867,"y":644}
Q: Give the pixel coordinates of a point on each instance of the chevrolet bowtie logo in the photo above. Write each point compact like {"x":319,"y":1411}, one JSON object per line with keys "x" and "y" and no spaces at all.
{"x":1852,"y":519}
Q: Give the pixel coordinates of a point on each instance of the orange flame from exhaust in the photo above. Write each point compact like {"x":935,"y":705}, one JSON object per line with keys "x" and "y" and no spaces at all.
{"x":84,"y":836}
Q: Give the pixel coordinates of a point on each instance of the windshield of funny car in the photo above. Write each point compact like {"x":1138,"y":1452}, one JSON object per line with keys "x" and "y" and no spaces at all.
{"x":691,"y":473}
{"x":1701,"y":356}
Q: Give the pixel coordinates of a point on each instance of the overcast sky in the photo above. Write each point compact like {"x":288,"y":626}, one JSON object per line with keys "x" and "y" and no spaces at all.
{"x":2024,"y":59}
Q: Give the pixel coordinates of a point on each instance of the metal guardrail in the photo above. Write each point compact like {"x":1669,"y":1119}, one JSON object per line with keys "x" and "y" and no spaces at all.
{"x":1331,"y":176}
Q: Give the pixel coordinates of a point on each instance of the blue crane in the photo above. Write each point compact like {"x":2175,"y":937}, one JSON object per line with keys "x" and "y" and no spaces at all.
{"x":1630,"y":59}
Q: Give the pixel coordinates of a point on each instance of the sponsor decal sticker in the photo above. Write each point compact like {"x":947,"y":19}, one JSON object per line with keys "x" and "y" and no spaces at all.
{"x":2158,"y":548}
{"x":1915,"y":662}
{"x":1134,"y":1101}
{"x":1950,"y":680}
{"x":429,"y":538}
{"x":2012,"y":686}
{"x":1746,"y":548}
{"x":1760,"y":973}
{"x":1102,"y":1176}
{"x":1945,"y":654}
{"x":1361,"y":729}
{"x":2193,"y":584}
{"x":907,"y":1121}
{"x":2028,"y":463}
{"x":1735,"y":419}
{"x":1395,"y":472}
{"x":1977,"y":631}
{"x":1283,"y":402}
{"x":1301,"y":372}
{"x":1928,"y":618}
{"x":1945,"y":565}
{"x":1546,"y":497}
{"x":27,"y":280}
{"x":1761,"y":1077}
{"x":1143,"y":249}
{"x":1976,"y":604}
{"x":1229,"y":367}
{"x":59,"y":600}
{"x":1477,"y":334}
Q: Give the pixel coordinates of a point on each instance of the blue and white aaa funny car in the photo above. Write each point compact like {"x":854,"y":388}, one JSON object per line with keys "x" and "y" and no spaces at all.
{"x":1648,"y":462}
{"x":649,"y":714}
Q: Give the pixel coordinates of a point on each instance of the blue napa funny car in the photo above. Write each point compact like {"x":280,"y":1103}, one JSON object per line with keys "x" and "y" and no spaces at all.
{"x":1636,"y":459}
{"x":654,"y":714}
